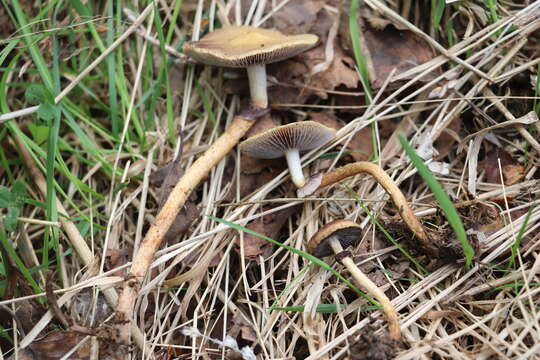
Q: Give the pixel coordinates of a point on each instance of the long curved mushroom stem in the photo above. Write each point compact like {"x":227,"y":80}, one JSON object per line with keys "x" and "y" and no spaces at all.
{"x":372,"y":288}
{"x":388,"y":184}
{"x":257,"y":85}
{"x":163,"y":221}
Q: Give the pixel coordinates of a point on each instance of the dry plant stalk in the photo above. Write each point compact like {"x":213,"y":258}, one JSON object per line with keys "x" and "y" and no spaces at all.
{"x":178,"y":196}
{"x":389,"y":185}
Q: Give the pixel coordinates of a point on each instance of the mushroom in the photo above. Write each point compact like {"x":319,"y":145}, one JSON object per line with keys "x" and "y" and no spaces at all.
{"x":331,"y":239}
{"x":251,"y":48}
{"x":405,"y":211}
{"x":288,"y":140}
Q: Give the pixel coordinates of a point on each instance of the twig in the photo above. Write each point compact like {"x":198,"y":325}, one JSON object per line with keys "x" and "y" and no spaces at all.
{"x":163,"y":221}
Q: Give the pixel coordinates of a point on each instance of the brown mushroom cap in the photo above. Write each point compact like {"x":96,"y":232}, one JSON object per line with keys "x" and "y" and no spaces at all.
{"x":348,"y":233}
{"x":273,"y":143}
{"x":243,"y":46}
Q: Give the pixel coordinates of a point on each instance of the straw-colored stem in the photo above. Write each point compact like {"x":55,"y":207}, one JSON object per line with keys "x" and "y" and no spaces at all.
{"x":372,"y":289}
{"x":388,"y":184}
{"x":163,"y":221}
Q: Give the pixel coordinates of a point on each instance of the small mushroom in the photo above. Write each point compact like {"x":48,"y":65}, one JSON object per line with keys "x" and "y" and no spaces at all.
{"x":288,"y":140}
{"x":251,"y":48}
{"x":332,"y":239}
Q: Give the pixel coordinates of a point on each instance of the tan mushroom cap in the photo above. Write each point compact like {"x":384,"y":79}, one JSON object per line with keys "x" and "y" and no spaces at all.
{"x":348,"y":233}
{"x":273,"y":143}
{"x":243,"y":46}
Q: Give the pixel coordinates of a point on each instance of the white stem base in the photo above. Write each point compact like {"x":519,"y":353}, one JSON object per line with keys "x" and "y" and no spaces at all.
{"x":257,"y":85}
{"x":295,"y":168}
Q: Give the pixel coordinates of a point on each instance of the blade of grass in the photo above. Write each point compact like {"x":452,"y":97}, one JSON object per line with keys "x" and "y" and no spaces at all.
{"x":174,"y":17}
{"x":519,"y":237}
{"x":437,"y":13}
{"x":361,"y":64}
{"x":35,"y":53}
{"x":6,"y":244}
{"x":307,"y":256}
{"x":442,"y":198}
{"x":164,"y":77}
{"x":111,"y":70}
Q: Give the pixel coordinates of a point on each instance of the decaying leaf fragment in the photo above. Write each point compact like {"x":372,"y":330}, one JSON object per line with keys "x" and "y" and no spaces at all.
{"x":165,"y":179}
{"x":269,"y":225}
{"x":387,"y":46}
{"x":512,"y":171}
{"x":360,"y":146}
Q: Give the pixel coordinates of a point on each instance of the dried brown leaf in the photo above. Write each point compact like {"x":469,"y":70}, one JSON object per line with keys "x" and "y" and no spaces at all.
{"x":513,"y":173}
{"x":56,"y":344}
{"x":269,"y":225}
{"x":361,"y":143}
{"x":391,"y":49}
{"x":297,"y":16}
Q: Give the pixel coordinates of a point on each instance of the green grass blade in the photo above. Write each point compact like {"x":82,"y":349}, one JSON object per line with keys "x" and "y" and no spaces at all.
{"x":386,"y":233}
{"x":361,"y":62}
{"x":6,"y":244}
{"x":111,"y":70}
{"x":519,"y":237}
{"x":442,"y":198}
{"x":307,"y":256}
{"x":32,"y":46}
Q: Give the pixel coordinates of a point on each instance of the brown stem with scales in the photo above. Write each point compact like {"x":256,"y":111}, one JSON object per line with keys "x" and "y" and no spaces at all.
{"x":178,"y":196}
{"x":389,"y":185}
{"x":372,"y":289}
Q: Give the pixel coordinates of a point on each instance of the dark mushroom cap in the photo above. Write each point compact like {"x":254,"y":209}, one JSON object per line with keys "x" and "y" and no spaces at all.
{"x":348,"y":233}
{"x":243,"y":46}
{"x":273,"y":143}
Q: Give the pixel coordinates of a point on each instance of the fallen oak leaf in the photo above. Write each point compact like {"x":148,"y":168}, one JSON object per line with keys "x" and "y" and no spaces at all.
{"x":512,"y":172}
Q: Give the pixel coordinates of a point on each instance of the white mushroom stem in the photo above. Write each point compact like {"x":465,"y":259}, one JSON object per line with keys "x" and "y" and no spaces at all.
{"x":257,"y":85}
{"x":372,"y":289}
{"x":295,"y":167}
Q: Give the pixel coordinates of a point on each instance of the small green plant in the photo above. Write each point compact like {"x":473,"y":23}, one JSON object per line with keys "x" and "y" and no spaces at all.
{"x":12,"y":200}
{"x":442,"y":198}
